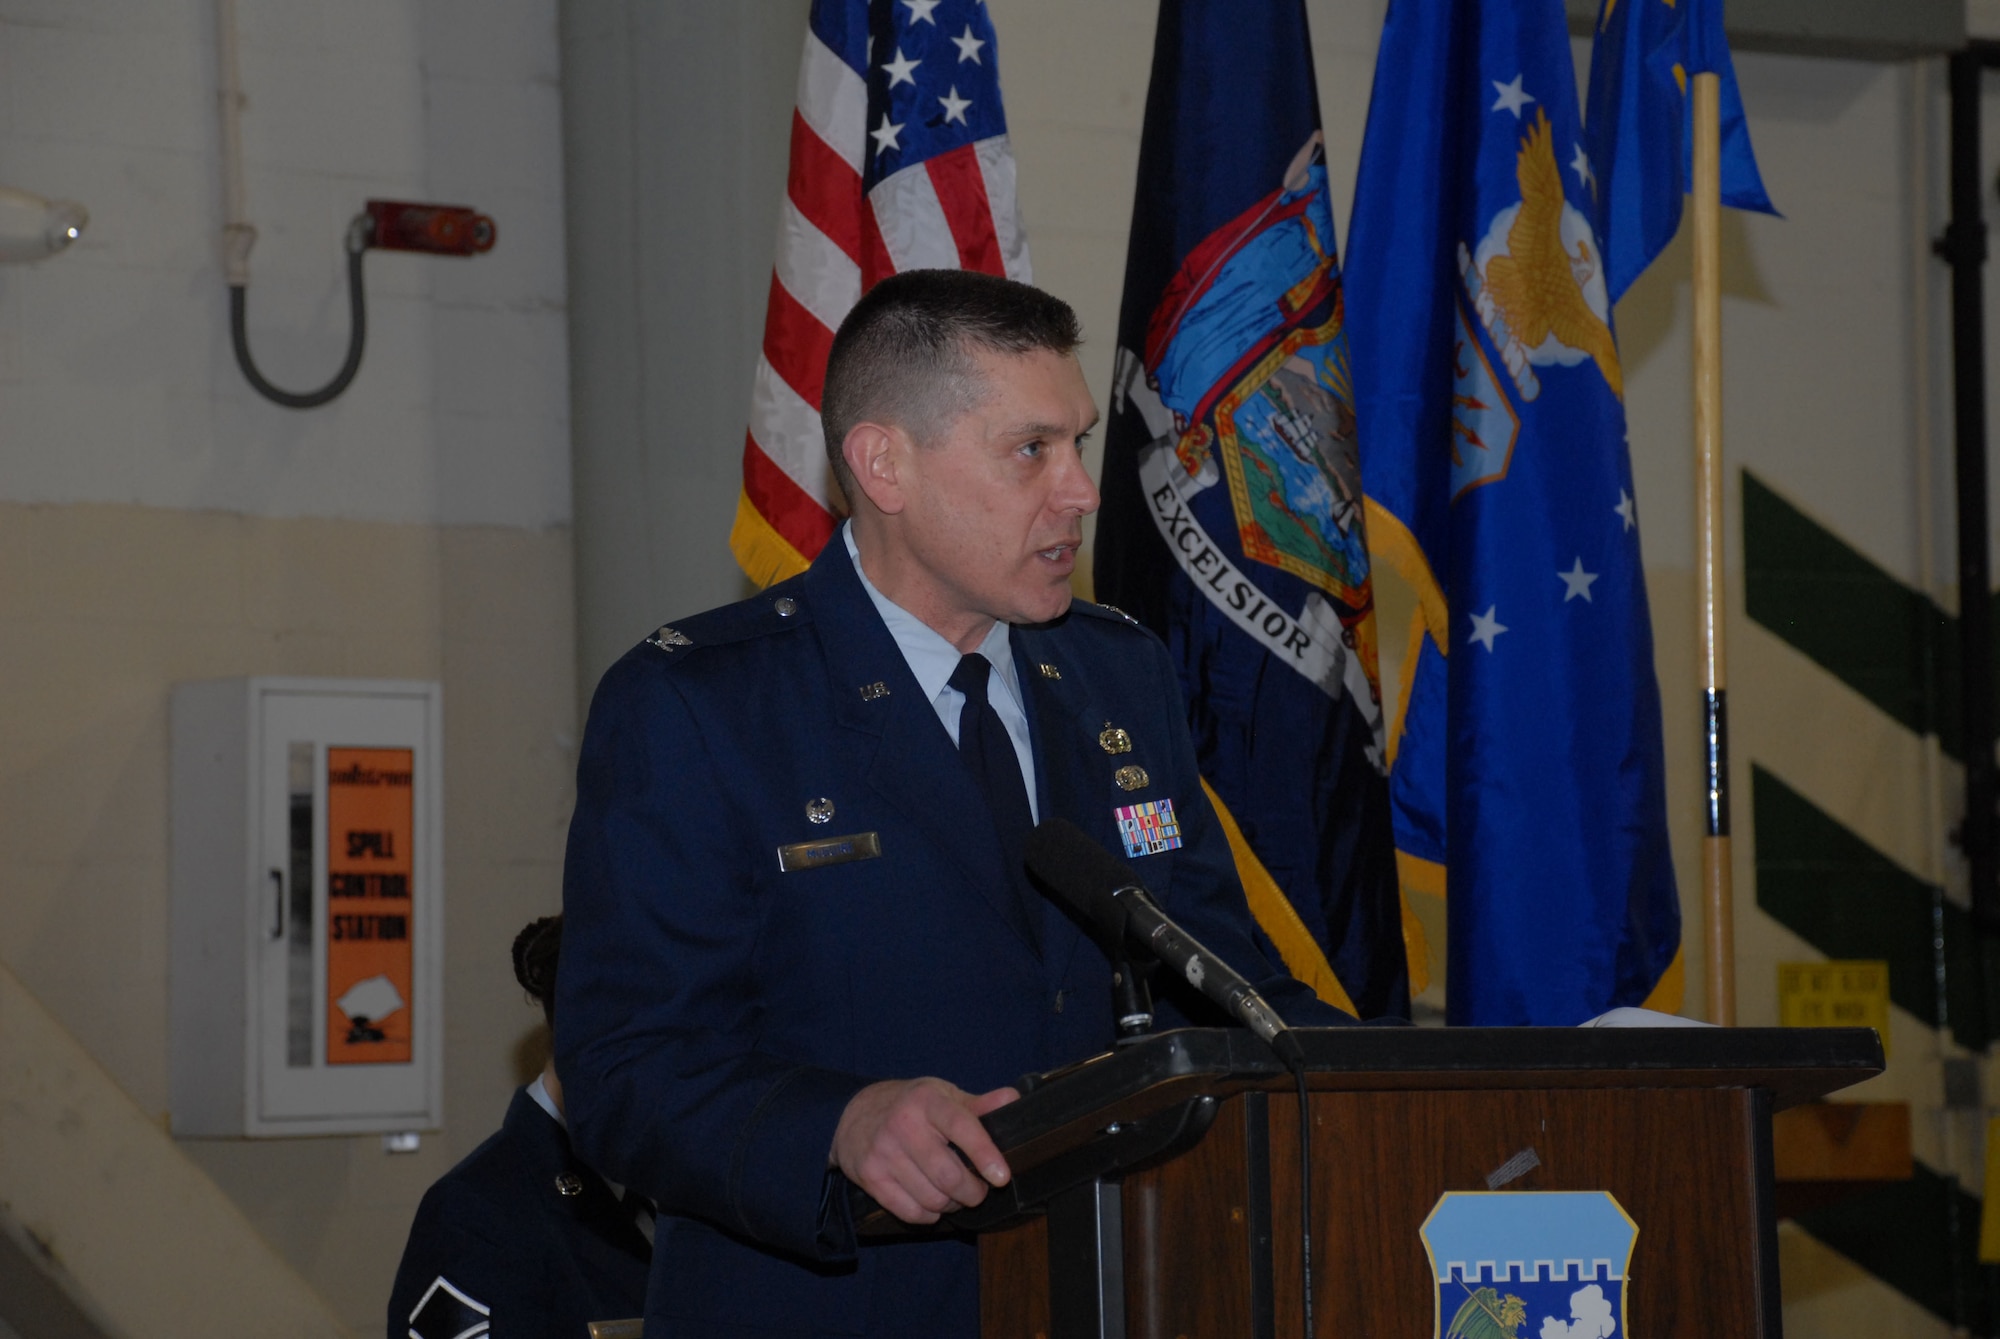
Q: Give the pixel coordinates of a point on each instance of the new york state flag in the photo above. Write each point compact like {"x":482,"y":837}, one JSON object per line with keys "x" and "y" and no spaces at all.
{"x":1527,"y":776}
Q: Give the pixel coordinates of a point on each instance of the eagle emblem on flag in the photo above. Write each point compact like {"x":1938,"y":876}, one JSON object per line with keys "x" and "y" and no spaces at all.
{"x":1537,"y":277}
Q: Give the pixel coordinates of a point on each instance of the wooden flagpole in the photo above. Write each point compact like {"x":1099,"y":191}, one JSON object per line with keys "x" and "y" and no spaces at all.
{"x":1719,"y":919}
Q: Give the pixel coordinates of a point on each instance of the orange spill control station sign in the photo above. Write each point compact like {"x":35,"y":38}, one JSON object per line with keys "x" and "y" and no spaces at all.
{"x":370,"y":850}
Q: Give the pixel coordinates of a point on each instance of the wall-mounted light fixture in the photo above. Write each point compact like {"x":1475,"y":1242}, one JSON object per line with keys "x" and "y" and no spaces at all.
{"x":33,"y":228}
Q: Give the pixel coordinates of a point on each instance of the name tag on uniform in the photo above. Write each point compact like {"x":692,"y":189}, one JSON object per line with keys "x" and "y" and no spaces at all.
{"x":830,"y":851}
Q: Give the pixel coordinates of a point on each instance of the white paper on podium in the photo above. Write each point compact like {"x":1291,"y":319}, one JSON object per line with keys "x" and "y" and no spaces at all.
{"x":1634,"y":1017}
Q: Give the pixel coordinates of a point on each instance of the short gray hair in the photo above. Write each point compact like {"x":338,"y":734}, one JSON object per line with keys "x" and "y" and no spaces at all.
{"x":903,"y":355}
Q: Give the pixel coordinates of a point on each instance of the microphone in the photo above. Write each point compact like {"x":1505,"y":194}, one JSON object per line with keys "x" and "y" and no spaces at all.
{"x":1103,"y":890}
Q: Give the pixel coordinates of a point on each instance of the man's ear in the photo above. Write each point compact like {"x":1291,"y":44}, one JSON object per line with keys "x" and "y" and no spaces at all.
{"x":874,"y":455}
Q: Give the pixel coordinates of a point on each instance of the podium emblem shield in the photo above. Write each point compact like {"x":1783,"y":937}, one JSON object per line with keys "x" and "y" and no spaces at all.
{"x":1529,"y":1264}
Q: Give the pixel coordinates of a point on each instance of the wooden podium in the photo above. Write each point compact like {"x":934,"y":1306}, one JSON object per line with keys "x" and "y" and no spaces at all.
{"x":1156,"y":1189}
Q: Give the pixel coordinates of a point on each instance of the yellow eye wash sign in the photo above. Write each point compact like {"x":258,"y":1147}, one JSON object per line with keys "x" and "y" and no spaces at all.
{"x":1852,"y":993}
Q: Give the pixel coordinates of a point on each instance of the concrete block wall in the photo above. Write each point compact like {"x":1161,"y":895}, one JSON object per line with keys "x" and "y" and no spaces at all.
{"x":159,"y":521}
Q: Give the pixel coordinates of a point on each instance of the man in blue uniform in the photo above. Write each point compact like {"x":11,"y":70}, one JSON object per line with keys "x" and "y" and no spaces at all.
{"x":803,"y":953}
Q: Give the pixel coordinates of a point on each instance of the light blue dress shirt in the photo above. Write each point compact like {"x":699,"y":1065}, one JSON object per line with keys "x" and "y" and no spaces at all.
{"x":540,"y":1092}
{"x":932,"y":660}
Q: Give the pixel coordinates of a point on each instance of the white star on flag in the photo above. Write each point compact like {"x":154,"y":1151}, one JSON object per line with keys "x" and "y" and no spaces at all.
{"x":968,"y":47}
{"x":880,"y":184}
{"x":885,"y":134}
{"x":1581,"y":166}
{"x":1511,"y":97}
{"x":1485,"y":627}
{"x":901,"y":69}
{"x":1626,"y":510}
{"x":1576,"y":581}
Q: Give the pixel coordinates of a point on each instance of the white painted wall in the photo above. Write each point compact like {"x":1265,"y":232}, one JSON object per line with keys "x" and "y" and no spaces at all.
{"x":160,"y":522}
{"x":117,"y":383}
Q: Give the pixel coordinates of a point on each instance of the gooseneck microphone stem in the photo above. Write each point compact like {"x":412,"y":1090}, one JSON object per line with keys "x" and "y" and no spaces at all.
{"x":1148,"y":927}
{"x":1131,"y":926}
{"x":1131,"y":1001}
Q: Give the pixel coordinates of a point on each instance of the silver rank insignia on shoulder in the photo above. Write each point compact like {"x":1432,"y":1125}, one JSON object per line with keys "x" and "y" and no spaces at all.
{"x":819,"y":811}
{"x":871,"y":691}
{"x":1114,"y":740}
{"x":667,"y":639}
{"x":1120,"y":612}
{"x":1049,"y":671}
{"x":1132,"y":777}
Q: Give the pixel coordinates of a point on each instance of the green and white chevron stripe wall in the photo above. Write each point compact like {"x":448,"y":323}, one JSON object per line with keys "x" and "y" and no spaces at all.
{"x":1851,"y":795}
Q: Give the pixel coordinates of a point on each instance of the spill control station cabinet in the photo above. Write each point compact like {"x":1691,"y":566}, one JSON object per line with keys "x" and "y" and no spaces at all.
{"x":306,"y":911}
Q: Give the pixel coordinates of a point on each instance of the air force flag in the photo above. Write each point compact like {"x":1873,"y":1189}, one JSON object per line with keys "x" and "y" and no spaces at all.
{"x":1527,"y":772}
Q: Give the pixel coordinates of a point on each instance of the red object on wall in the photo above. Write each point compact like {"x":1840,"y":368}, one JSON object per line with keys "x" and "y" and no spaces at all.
{"x":441,"y":230}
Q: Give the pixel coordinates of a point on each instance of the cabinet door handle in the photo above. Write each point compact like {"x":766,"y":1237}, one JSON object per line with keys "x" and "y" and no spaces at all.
{"x":278,"y":907}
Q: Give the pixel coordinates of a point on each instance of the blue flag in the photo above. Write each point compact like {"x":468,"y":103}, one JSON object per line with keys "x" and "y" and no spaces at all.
{"x":1232,"y":520}
{"x":1640,"y":143}
{"x":1527,"y":780}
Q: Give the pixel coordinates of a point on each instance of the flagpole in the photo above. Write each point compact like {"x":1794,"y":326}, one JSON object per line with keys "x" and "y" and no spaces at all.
{"x":1719,"y":919}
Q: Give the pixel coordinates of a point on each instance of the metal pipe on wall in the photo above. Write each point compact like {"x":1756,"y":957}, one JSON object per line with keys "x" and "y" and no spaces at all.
{"x":237,"y":234}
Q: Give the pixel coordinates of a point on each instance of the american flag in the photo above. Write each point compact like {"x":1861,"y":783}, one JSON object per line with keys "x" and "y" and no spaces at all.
{"x":900,"y":161}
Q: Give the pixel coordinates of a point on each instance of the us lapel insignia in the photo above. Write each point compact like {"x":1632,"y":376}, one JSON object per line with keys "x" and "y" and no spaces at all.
{"x":667,"y":639}
{"x":1113,"y":740}
{"x":819,"y":811}
{"x":871,"y":691}
{"x":1132,"y":777}
{"x":1149,"y":828}
{"x":1049,"y":671}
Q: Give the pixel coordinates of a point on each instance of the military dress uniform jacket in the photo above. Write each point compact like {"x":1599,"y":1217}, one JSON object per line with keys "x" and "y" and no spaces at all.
{"x":521,"y":1237}
{"x":717,"y":1012}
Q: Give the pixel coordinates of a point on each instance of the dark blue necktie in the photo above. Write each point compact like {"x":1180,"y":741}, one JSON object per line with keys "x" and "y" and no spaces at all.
{"x":988,"y":751}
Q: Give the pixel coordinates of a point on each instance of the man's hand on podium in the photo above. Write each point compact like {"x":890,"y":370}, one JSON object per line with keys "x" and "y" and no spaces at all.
{"x":917,"y":1146}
